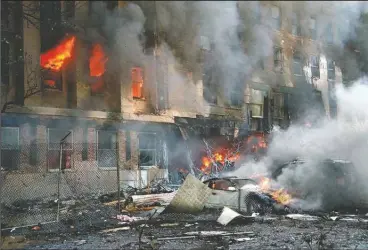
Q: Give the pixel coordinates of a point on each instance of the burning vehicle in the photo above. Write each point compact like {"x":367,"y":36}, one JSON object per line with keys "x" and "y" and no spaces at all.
{"x":333,"y":183}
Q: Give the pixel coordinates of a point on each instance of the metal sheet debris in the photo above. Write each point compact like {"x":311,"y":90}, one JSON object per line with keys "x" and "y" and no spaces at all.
{"x":191,"y":196}
{"x":304,"y":217}
{"x":217,"y":233}
{"x":228,"y":215}
{"x":111,"y":230}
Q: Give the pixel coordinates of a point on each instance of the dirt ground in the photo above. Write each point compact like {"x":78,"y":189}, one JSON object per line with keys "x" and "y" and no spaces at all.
{"x":273,"y":232}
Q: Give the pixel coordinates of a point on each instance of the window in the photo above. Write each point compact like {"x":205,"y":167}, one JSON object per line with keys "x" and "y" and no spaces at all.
{"x":10,"y":152}
{"x":256,"y":106}
{"x":147,"y":149}
{"x":297,"y":65}
{"x":97,"y":68}
{"x":278,"y":105}
{"x":237,"y":94}
{"x":53,"y":154}
{"x":315,"y":66}
{"x":329,"y":33}
{"x":5,"y":56}
{"x":278,"y":60}
{"x":69,"y":9}
{"x":257,"y":11}
{"x":313,"y":28}
{"x":295,"y":28}
{"x":128,"y":152}
{"x":137,"y":82}
{"x":106,"y":149}
{"x":209,"y":80}
{"x":50,"y":36}
{"x":261,"y":64}
{"x":330,"y":70}
{"x":276,"y":20}
{"x":85,"y":145}
{"x":111,"y":5}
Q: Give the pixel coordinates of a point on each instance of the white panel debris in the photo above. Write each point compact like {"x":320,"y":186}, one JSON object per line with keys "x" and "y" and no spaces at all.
{"x":227,"y":216}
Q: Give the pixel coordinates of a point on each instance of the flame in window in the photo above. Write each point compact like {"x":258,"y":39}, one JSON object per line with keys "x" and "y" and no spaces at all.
{"x":137,"y":82}
{"x":97,"y":68}
{"x":57,"y":57}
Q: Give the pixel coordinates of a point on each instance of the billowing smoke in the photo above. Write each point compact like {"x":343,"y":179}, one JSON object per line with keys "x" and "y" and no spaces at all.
{"x":343,"y":138}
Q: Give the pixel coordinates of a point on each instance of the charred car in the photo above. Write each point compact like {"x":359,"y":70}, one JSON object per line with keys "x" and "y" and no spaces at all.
{"x":333,"y":183}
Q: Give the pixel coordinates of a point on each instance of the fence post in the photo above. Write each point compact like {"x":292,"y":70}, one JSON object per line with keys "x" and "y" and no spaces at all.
{"x":59,"y":176}
{"x":118,"y":171}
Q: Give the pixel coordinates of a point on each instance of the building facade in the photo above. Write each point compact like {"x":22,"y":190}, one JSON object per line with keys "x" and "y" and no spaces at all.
{"x":132,"y":119}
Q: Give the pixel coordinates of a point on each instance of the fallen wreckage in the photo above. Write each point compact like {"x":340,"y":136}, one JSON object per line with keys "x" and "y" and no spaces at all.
{"x":248,"y":196}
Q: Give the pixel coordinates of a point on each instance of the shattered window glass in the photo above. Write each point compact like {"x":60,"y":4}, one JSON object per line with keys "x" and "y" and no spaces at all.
{"x":315,"y":66}
{"x":106,"y":148}
{"x":297,"y":65}
{"x":55,"y":136}
{"x":278,"y":60}
{"x":9,"y":138}
{"x":313,"y":28}
{"x":330,"y":70}
{"x":106,"y":140}
{"x":147,"y":149}
{"x":278,"y":105}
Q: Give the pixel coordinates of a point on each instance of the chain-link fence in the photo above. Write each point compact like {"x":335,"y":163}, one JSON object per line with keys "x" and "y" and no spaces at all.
{"x":39,"y":186}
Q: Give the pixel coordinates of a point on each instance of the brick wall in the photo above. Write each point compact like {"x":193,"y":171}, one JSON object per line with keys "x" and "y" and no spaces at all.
{"x":134,"y":149}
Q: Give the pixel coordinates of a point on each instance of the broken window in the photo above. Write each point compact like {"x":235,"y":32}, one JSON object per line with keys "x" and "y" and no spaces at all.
{"x":329,"y":33}
{"x":147,"y":149}
{"x":297,"y":65}
{"x":256,"y":105}
{"x":97,"y":69}
{"x":10,"y":151}
{"x":315,"y":66}
{"x":128,"y":152}
{"x":53,"y":155}
{"x":330,"y":70}
{"x":295,"y":25}
{"x":276,"y":20}
{"x":137,"y":82}
{"x":278,"y":105}
{"x":313,"y":28}
{"x":278,"y":59}
{"x":50,"y":36}
{"x":237,"y":94}
{"x":106,"y":149}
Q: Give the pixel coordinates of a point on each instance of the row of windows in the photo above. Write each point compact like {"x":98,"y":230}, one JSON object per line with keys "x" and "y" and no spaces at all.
{"x":275,"y":22}
{"x":105,"y":153}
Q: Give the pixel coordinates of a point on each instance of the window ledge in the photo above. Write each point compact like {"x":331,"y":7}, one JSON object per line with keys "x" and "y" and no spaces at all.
{"x":63,"y":170}
{"x":108,"y":168}
{"x":148,"y":167}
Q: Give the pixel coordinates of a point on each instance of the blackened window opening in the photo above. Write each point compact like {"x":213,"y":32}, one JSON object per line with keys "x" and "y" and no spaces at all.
{"x":128,"y":152}
{"x":51,"y":34}
{"x":85,"y":145}
{"x":315,"y":66}
{"x":209,"y":80}
{"x":111,"y":5}
{"x":33,"y":144}
{"x":69,"y":9}
{"x":5,"y":56}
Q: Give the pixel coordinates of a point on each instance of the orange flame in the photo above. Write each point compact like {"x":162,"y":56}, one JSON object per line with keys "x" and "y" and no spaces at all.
{"x":57,"y":57}
{"x":220,"y":157}
{"x":97,"y":61}
{"x":280,"y":195}
{"x":97,"y":68}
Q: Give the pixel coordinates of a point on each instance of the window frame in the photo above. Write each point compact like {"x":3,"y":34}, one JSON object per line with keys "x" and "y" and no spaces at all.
{"x":313,"y":31}
{"x":295,"y":24}
{"x":58,"y":149}
{"x":64,"y":149}
{"x":149,"y":150}
{"x":329,"y":34}
{"x":280,"y":107}
{"x":331,"y":69}
{"x":142,"y":97}
{"x":316,"y":59}
{"x":275,"y":20}
{"x":114,"y":132}
{"x":18,"y":140}
{"x":280,"y":60}
{"x":299,"y":62}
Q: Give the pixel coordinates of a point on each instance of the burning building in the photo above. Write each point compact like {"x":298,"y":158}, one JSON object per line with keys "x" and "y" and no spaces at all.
{"x":124,"y":118}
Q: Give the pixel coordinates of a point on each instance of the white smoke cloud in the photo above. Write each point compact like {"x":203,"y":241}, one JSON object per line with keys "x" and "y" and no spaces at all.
{"x":343,"y":138}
